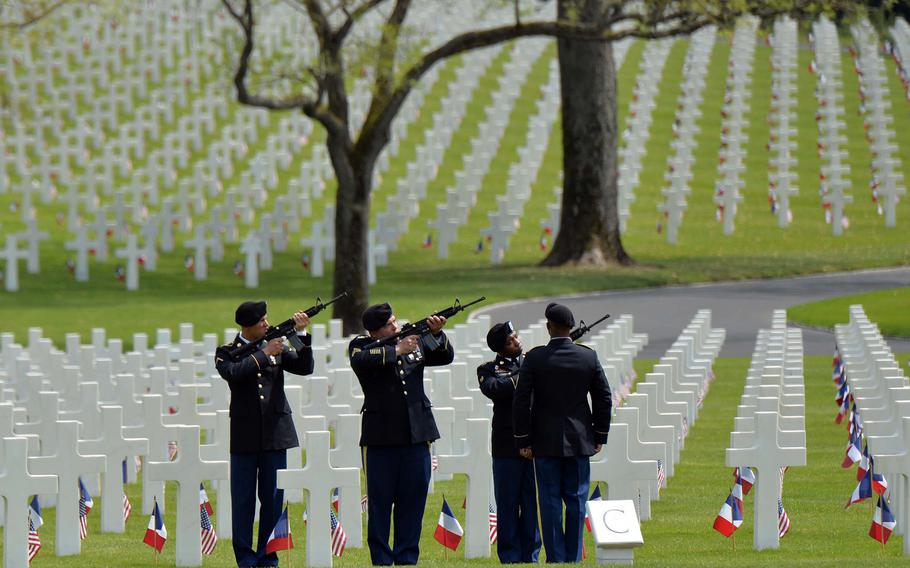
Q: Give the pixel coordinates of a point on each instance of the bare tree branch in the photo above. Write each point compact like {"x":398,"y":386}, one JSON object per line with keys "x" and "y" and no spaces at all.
{"x":311,"y":106}
{"x":354,"y":16}
{"x":33,"y":18}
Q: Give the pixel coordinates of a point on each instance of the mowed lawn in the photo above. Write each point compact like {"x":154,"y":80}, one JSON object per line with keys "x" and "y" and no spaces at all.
{"x":823,"y":533}
{"x":889,"y":309}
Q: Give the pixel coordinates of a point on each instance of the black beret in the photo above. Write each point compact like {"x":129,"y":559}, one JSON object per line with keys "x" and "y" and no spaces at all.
{"x":249,"y":313}
{"x":498,"y":334}
{"x":560,"y":315}
{"x":376,"y":316}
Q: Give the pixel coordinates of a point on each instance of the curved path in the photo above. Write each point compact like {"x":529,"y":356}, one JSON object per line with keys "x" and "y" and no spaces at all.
{"x":742,"y":308}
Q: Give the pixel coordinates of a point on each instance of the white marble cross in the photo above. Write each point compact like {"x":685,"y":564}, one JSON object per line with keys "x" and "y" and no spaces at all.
{"x":16,"y":484}
{"x":115,"y":448}
{"x":32,"y":236}
{"x":768,"y":455}
{"x":69,"y":465}
{"x":626,"y":478}
{"x":82,"y":245}
{"x":251,"y":248}
{"x":220,"y":450}
{"x":319,"y":243}
{"x":477,"y":464}
{"x":12,"y":254}
{"x":131,"y":254}
{"x":188,"y":470}
{"x":158,"y":435}
{"x":346,"y":453}
{"x":318,"y":478}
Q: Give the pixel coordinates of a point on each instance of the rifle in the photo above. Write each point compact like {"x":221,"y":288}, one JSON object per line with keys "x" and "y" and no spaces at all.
{"x":584,"y":328}
{"x":422,"y":328}
{"x":286,"y":328}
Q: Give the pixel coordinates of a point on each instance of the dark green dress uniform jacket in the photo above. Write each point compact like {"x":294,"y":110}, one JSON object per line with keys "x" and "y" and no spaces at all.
{"x":260,"y":415}
{"x":396,"y":411}
{"x":497,"y":380}
{"x":550,"y":411}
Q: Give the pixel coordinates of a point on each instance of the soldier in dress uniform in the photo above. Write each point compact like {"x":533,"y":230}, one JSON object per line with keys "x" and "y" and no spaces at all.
{"x":518,"y":539}
{"x":262,"y":429}
{"x":555,"y":425}
{"x":397,"y":429}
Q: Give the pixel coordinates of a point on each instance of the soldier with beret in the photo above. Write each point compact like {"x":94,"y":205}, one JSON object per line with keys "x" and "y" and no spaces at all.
{"x":518,"y":539}
{"x":262,"y":429}
{"x":397,"y":429}
{"x":556,"y":427}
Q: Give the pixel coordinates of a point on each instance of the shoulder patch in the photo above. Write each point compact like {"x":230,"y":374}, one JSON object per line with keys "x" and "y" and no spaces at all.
{"x":355,"y":350}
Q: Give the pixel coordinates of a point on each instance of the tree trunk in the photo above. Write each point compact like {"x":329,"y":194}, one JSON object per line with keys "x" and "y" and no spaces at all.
{"x":589,"y":220}
{"x":352,"y":219}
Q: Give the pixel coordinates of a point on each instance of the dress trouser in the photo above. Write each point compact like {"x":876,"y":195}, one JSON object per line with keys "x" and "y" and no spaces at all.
{"x":562,"y":480}
{"x":246,"y":471}
{"x":518,"y":539}
{"x":398,"y":478}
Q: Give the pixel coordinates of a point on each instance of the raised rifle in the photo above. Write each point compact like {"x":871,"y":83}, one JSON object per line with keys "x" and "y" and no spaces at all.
{"x":287,"y":328}
{"x":422,"y":327}
{"x":584,"y":328}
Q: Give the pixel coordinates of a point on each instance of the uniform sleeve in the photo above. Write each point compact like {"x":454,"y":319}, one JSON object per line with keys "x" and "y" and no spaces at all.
{"x":437,"y":350}
{"x":366,"y":360}
{"x":299,"y":362}
{"x":493,"y":386}
{"x":521,"y":406}
{"x":233,"y":370}
{"x":602,"y":403}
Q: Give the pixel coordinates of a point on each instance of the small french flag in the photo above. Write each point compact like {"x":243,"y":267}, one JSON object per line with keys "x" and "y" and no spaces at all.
{"x":156,"y":533}
{"x":280,"y":539}
{"x":448,"y":530}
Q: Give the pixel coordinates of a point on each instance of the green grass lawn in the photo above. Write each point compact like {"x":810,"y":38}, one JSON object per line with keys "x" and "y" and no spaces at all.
{"x":887,"y":308}
{"x":823,"y":533}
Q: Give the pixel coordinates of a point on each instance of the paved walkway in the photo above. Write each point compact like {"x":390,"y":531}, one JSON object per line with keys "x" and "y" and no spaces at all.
{"x":742,"y":308}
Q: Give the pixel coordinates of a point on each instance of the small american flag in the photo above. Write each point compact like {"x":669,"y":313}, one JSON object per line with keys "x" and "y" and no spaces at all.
{"x":661,"y":475}
{"x":335,"y":499}
{"x":209,"y":538}
{"x":493,"y":522}
{"x":172,"y":450}
{"x":127,"y":507}
{"x":435,"y":461}
{"x":85,"y":506}
{"x":783,"y":521}
{"x":339,"y":539}
{"x":363,"y":504}
{"x":34,"y":521}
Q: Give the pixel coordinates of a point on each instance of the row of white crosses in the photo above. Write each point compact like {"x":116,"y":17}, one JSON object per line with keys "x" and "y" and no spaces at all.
{"x":506,"y":219}
{"x":404,"y":203}
{"x":829,"y":93}
{"x":769,"y":430}
{"x":782,"y":117}
{"x":261,"y":166}
{"x":638,"y":122}
{"x":685,"y":129}
{"x":735,"y":122}
{"x":900,"y":50}
{"x":651,"y":424}
{"x":452,"y":214}
{"x":882,"y":396}
{"x":887,"y":179}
